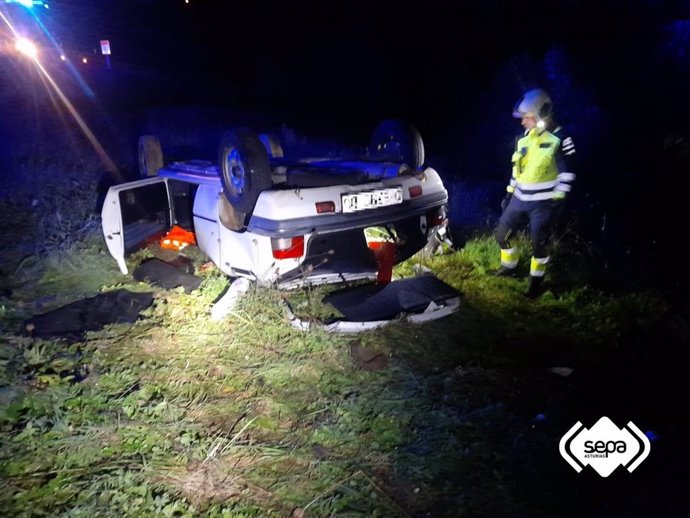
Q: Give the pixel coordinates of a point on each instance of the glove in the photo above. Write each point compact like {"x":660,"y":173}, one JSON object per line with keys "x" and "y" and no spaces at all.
{"x":506,"y":201}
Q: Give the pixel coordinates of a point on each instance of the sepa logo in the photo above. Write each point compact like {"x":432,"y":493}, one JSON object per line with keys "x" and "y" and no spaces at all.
{"x":604,"y":446}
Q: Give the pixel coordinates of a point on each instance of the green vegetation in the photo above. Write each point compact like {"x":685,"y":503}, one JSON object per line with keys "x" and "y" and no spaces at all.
{"x":177,"y":415}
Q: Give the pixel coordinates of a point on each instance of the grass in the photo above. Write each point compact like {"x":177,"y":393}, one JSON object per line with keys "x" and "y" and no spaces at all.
{"x":177,"y":415}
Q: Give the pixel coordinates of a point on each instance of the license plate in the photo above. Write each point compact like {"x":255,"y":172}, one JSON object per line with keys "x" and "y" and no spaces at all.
{"x":371,"y":199}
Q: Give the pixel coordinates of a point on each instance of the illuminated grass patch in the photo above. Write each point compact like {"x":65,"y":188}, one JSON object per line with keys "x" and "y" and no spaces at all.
{"x":177,"y":415}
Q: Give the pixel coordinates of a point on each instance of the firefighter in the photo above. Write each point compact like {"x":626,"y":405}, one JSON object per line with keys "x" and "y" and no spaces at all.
{"x":541,"y":179}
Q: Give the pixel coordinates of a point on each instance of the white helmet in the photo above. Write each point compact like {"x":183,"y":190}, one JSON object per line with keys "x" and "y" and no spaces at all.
{"x":534,"y":103}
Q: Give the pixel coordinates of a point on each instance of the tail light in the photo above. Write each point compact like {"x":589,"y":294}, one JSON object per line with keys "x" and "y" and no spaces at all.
{"x":415,"y":191}
{"x":287,"y":247}
{"x":325,"y":206}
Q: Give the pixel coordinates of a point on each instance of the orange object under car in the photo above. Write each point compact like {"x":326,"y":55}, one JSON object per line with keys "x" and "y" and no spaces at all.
{"x":177,"y":239}
{"x":385,"y":259}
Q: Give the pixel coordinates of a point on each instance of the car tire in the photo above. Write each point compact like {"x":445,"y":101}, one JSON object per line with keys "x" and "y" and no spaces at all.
{"x":244,"y":168}
{"x":396,"y":140}
{"x":272,"y":145}
{"x":150,"y":155}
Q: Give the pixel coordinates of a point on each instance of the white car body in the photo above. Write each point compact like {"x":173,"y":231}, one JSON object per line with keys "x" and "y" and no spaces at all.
{"x":142,"y":210}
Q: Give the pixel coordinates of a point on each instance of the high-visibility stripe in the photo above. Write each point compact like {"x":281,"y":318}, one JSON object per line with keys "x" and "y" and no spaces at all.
{"x":509,"y":257}
{"x":548,"y":195}
{"x":536,"y":186}
{"x":537,"y":267}
{"x":564,"y":187}
{"x":566,"y":177}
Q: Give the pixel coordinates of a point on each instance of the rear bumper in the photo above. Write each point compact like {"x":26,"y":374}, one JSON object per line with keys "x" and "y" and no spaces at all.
{"x":324,"y":223}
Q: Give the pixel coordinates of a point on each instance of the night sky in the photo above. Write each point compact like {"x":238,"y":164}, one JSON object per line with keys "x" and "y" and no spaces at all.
{"x":447,"y":66}
{"x":426,"y":59}
{"x":450,"y":67}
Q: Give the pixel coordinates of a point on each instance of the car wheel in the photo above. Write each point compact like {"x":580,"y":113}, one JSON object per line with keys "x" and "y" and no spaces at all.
{"x":397,"y":140}
{"x":272,"y":145}
{"x":150,"y":155}
{"x":244,"y":168}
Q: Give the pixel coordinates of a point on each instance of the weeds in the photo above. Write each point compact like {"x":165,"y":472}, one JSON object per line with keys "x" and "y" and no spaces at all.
{"x":177,"y":415}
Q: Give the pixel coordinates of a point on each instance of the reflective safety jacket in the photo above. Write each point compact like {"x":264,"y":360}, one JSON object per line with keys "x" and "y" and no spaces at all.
{"x":541,"y":165}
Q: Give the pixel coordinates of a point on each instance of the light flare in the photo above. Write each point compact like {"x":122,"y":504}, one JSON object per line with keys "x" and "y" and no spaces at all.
{"x":27,"y":47}
{"x":102,"y":154}
{"x":77,"y":76}
{"x":100,"y":151}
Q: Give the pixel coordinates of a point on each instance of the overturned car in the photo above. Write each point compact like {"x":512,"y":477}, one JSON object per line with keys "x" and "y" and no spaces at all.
{"x":285,"y":221}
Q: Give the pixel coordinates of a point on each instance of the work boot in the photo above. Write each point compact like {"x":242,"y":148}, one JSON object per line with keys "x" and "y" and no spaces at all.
{"x":535,"y":288}
{"x":504,"y":271}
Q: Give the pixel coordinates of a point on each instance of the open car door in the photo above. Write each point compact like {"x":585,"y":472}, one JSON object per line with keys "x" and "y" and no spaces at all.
{"x":134,"y":213}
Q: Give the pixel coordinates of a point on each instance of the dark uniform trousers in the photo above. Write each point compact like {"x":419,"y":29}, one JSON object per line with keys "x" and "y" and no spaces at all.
{"x":539,"y":214}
